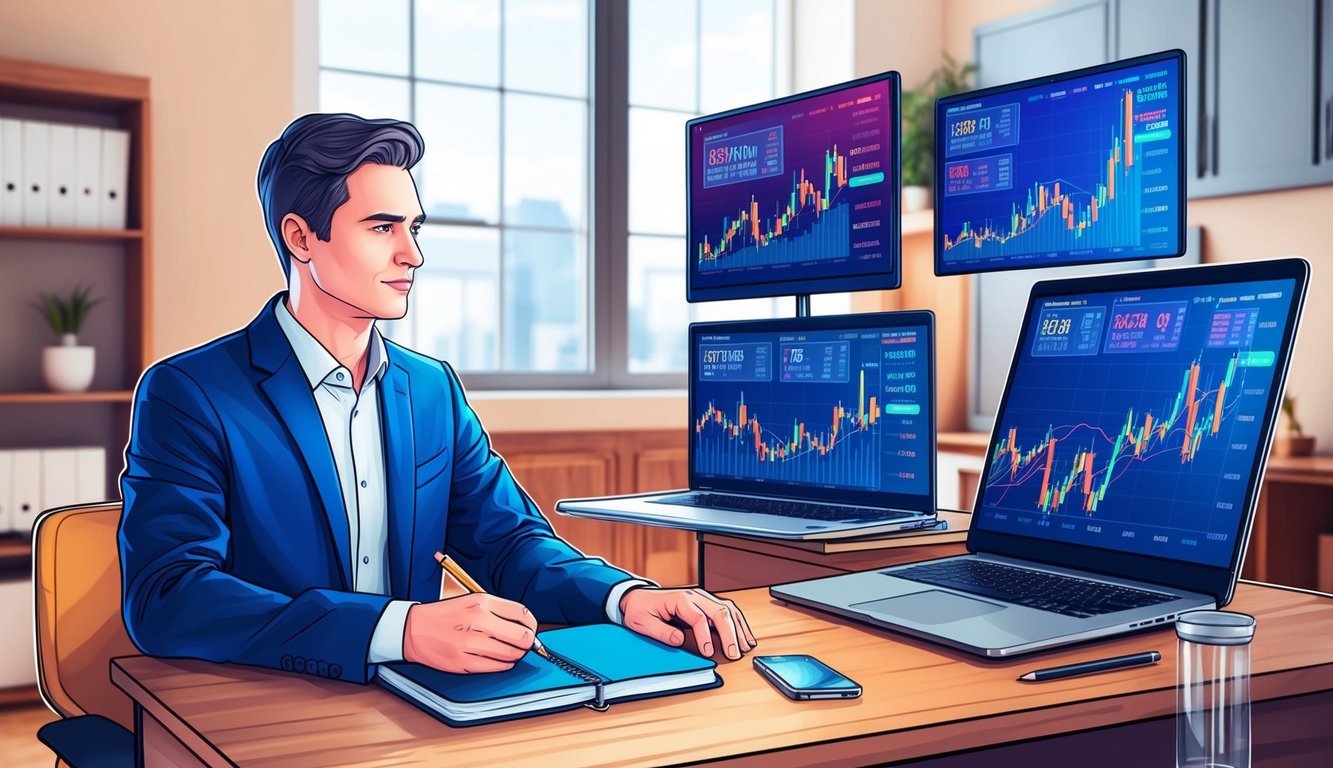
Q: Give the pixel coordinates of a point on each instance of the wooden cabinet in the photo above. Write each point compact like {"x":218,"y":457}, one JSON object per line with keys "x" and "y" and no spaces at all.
{"x":554,"y":466}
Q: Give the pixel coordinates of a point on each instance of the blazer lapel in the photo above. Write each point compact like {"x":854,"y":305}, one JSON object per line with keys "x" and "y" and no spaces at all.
{"x":289,"y":392}
{"x":400,"y":472}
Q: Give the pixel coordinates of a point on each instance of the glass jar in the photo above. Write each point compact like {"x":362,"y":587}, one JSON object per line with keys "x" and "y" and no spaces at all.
{"x":1213,"y":691}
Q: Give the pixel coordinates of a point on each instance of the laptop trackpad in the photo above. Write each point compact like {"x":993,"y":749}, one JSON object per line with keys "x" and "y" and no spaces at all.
{"x":929,"y":607}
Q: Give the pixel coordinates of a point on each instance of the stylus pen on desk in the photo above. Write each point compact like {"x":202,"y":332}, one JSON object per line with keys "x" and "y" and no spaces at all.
{"x":470,"y":584}
{"x":1100,"y":665}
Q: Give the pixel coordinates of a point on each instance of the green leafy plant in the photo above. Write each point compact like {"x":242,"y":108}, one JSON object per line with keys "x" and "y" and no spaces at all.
{"x":918,"y":108}
{"x":1289,"y":410}
{"x":66,"y":315}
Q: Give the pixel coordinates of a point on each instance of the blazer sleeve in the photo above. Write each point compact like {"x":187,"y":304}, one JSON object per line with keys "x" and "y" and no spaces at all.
{"x":500,"y":537}
{"x":178,"y":598}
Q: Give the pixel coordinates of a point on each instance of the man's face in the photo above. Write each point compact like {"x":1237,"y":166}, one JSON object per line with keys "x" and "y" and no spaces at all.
{"x":372,"y":252}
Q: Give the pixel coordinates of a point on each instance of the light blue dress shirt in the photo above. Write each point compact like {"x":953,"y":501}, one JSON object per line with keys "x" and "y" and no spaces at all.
{"x":352,"y":423}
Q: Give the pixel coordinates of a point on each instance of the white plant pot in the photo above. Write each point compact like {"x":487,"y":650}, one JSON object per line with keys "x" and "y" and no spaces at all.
{"x":69,"y":367}
{"x":915,"y":198}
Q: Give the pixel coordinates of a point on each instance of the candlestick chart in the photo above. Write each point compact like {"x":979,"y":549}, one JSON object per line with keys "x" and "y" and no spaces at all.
{"x":1091,"y":457}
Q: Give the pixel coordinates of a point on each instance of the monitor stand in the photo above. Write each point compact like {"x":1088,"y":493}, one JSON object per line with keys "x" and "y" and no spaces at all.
{"x":802,"y":305}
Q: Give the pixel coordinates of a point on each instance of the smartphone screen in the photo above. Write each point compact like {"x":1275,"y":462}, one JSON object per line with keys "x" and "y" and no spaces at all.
{"x":802,"y":674}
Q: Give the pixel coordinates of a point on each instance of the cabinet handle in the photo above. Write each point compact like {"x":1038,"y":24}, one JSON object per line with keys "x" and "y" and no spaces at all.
{"x":1213,"y":148}
{"x":1328,"y":129}
{"x":1203,"y":145}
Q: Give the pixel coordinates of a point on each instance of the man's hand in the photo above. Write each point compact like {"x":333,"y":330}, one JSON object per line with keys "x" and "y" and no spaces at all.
{"x":471,"y":633}
{"x":666,"y":614}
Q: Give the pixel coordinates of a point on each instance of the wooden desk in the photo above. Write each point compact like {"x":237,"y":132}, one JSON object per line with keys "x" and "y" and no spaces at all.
{"x":740,"y":562}
{"x":921,"y":702}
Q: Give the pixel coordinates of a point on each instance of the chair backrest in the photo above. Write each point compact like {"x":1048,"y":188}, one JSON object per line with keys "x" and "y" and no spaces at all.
{"x":76,"y":569}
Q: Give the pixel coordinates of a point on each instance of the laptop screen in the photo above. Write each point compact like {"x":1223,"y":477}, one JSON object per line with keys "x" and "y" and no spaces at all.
{"x":829,"y":408}
{"x":1133,"y":418}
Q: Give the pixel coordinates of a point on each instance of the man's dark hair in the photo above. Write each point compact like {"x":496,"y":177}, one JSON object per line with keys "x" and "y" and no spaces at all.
{"x":305,"y":170}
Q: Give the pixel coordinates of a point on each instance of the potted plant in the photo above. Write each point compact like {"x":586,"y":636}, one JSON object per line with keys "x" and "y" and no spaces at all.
{"x":68,"y":367}
{"x":918,"y":127}
{"x":1290,"y":439}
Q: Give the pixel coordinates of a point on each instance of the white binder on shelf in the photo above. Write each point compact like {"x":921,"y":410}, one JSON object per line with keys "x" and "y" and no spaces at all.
{"x":6,"y":492}
{"x":115,"y":174}
{"x":27,"y":492}
{"x":11,"y":172}
{"x":87,"y":176}
{"x":36,"y":172}
{"x":90,"y":471}
{"x":60,"y":479}
{"x":64,"y":189}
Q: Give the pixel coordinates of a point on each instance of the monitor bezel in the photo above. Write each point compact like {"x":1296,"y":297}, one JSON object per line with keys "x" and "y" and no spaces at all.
{"x":942,"y":105}
{"x":888,"y":320}
{"x":1218,"y":582}
{"x":786,"y":286}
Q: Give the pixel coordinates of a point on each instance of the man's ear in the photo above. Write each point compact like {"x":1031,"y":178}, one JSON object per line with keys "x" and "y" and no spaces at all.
{"x":294,"y":234}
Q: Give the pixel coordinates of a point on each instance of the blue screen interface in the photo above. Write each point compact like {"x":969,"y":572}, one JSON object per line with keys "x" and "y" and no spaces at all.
{"x":845,"y":409}
{"x":1132,"y":420}
{"x":804,"y":672}
{"x":796,"y":191}
{"x":1073,"y":171}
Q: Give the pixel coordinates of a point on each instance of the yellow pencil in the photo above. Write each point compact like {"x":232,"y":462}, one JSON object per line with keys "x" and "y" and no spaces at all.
{"x":470,"y":584}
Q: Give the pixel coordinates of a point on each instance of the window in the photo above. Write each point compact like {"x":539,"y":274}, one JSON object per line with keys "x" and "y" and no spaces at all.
{"x":550,"y":260}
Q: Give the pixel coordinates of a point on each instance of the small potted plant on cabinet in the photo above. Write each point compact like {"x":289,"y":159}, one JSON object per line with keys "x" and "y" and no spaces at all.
{"x":69,"y":366}
{"x":1290,"y":439}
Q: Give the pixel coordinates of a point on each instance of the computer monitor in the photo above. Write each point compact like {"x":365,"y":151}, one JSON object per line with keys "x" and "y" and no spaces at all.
{"x":1137,"y":418}
{"x":1081,"y":167}
{"x":797,"y":195}
{"x":834,"y":408}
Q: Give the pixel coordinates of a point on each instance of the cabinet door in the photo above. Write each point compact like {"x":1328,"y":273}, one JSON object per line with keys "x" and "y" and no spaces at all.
{"x":1324,"y":152}
{"x":1067,"y":36}
{"x":1149,"y":26}
{"x":1259,"y":95}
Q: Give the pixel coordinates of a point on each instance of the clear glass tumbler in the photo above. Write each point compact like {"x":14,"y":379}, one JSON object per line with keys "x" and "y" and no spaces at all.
{"x":1213,"y":691}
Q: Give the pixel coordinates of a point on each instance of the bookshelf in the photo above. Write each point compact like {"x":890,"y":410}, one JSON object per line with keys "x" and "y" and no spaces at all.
{"x":115,"y":262}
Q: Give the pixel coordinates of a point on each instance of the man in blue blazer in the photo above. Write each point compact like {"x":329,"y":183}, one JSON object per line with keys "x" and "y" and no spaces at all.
{"x":287,"y":485}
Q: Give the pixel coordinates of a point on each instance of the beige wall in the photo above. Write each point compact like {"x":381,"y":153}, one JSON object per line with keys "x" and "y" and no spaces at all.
{"x":911,"y":37}
{"x":221,"y":91}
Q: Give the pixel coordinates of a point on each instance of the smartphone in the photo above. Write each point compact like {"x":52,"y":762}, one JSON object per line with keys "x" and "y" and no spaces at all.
{"x":803,"y":677}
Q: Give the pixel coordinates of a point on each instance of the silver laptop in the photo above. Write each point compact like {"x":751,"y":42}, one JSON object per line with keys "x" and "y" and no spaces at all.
{"x":802,"y":428}
{"x":1123,"y":469}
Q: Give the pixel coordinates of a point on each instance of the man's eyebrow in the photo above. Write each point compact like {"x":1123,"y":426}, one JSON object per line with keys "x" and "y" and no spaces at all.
{"x":395,"y":218}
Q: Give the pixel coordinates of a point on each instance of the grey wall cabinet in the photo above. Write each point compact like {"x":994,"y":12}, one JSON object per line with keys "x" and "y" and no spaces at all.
{"x":1259,"y":80}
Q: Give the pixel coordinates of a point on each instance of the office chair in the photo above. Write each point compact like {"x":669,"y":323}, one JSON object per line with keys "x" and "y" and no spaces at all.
{"x":76,"y":570}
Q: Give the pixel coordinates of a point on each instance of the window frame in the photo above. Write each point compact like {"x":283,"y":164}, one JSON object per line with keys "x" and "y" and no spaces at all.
{"x":607,"y":201}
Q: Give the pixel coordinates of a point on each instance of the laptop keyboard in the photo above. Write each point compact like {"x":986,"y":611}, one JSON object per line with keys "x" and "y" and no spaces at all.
{"x":1067,"y":595}
{"x":804,"y":510}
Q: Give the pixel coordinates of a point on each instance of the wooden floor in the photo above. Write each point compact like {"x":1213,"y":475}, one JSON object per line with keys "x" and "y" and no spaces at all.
{"x":18,"y":736}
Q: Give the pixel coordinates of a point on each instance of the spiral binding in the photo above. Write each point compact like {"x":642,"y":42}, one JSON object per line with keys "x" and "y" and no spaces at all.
{"x":571,"y":669}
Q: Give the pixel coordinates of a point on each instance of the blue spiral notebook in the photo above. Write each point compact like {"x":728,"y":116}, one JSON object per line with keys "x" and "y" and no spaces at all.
{"x":594,"y":665}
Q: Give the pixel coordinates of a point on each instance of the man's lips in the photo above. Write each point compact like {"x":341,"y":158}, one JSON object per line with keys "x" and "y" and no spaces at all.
{"x":401,"y":285}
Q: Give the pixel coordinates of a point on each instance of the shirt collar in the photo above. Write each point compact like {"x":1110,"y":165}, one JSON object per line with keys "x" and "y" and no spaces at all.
{"x":316,"y":362}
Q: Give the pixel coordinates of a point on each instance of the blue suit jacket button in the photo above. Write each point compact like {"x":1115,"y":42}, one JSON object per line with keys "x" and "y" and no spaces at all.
{"x":335,"y":670}
{"x":287,"y":662}
{"x":323,"y":669}
{"x":299,"y":664}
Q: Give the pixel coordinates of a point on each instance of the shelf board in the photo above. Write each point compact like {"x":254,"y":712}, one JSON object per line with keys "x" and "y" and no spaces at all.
{"x":919,"y":223}
{"x":105,"y":396}
{"x":15,"y":553}
{"x":82,"y":234}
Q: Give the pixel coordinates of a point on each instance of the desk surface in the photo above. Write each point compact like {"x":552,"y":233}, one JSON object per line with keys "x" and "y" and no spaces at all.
{"x":919,"y":700}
